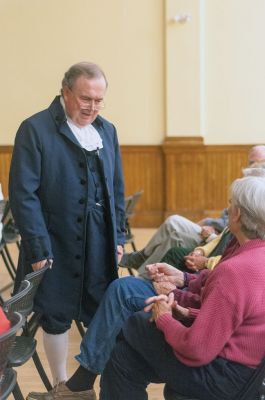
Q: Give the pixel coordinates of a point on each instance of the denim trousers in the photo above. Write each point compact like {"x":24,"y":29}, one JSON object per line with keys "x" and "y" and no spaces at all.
{"x":143,"y":356}
{"x":123,"y":298}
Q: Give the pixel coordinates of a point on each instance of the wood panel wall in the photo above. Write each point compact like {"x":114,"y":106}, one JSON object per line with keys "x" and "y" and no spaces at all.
{"x":5,"y":159}
{"x":182,"y":176}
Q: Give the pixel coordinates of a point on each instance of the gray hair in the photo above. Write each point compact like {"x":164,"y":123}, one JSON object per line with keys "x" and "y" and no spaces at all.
{"x":87,"y":69}
{"x":248,"y":195}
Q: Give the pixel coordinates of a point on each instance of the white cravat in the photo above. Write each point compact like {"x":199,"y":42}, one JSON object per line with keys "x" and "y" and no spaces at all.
{"x":87,"y":136}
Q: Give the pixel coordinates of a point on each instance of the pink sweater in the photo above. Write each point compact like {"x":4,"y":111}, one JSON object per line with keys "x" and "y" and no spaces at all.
{"x":231,"y":321}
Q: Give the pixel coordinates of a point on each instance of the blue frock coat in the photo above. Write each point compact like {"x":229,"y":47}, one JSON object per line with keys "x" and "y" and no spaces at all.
{"x":48,"y":190}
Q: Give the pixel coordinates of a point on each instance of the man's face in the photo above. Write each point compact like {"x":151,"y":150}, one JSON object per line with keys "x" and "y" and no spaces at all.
{"x":84,"y":100}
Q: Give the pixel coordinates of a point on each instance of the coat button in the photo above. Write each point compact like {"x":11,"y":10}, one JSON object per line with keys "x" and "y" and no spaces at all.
{"x":76,"y":275}
{"x":78,"y":257}
{"x":79,"y":219}
{"x":81,"y":201}
{"x":79,"y":238}
{"x":82,"y":181}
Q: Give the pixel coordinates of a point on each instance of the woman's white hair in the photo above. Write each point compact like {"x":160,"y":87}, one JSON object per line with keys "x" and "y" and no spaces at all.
{"x":248,"y":194}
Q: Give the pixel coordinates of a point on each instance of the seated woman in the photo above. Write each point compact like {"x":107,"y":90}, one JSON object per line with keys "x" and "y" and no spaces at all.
{"x":214,"y":357}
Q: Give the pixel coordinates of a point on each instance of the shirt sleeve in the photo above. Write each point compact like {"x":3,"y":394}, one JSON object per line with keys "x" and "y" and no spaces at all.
{"x":202,"y":342}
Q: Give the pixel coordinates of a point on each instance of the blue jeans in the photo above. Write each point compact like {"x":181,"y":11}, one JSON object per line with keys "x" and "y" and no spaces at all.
{"x":143,"y":356}
{"x":123,"y":298}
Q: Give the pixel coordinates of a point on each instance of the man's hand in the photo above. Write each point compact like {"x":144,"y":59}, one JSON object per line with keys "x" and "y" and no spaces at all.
{"x":159,"y":305}
{"x":38,"y":265}
{"x":195,"y":262}
{"x":119,"y":252}
{"x":163,"y":272}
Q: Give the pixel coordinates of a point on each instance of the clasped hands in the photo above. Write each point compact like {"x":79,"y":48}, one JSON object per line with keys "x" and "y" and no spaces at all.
{"x":165,"y":279}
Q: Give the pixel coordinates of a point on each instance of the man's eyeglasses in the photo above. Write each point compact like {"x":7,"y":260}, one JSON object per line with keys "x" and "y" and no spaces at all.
{"x":98,"y":104}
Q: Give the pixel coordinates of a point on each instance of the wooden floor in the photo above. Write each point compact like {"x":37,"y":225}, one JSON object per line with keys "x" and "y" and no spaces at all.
{"x":27,"y":376}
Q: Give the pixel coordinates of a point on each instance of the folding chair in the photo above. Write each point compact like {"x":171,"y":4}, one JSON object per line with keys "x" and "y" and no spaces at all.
{"x":253,"y":390}
{"x":130,"y":203}
{"x":25,"y":345}
{"x":8,"y":376}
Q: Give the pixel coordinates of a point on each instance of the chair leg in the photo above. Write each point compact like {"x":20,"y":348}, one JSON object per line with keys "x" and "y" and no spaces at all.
{"x":17,"y":392}
{"x":133,"y":246}
{"x":41,"y":371}
{"x":130,"y":270}
{"x":80,"y":328}
{"x":32,"y":325}
{"x":11,"y":263}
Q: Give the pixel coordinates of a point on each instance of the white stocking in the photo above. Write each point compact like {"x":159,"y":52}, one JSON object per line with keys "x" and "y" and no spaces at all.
{"x":56,"y":349}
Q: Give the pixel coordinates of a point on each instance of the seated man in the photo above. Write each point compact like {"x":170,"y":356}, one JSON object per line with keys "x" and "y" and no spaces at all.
{"x":176,"y":231}
{"x":216,"y":356}
{"x":206,"y":256}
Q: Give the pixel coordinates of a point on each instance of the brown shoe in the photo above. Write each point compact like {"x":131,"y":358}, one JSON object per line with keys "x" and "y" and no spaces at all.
{"x":61,"y":391}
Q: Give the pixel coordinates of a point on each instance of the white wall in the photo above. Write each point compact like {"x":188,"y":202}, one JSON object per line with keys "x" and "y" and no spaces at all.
{"x":235,"y":71}
{"x":40,"y":39}
{"x":202,"y":78}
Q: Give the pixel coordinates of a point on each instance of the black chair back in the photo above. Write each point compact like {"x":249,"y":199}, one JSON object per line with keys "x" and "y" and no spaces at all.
{"x":21,"y":301}
{"x":36,"y":277}
{"x":130,"y":203}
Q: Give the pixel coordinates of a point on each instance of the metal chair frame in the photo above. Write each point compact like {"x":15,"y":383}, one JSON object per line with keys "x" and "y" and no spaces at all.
{"x":25,"y":343}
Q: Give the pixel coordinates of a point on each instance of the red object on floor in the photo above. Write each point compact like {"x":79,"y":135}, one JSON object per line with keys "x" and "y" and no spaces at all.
{"x":4,"y":322}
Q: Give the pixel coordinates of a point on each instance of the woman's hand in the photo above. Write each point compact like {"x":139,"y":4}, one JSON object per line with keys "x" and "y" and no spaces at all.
{"x":163,"y":287}
{"x":159,"y":272}
{"x":180,"y":313}
{"x":159,"y":305}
